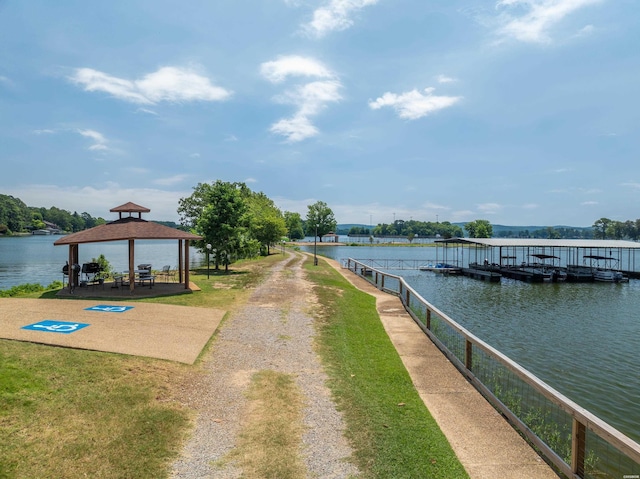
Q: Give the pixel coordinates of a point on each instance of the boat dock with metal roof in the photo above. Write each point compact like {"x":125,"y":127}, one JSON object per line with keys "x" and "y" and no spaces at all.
{"x":538,"y":260}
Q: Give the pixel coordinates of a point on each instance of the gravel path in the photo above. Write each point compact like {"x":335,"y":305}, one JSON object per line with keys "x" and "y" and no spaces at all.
{"x":272,"y":332}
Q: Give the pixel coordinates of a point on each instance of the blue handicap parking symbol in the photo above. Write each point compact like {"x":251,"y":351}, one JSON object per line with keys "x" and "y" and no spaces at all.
{"x":107,"y":308}
{"x":51,"y":326}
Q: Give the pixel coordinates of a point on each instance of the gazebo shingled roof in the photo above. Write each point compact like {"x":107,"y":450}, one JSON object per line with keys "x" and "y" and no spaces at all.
{"x":128,"y":228}
{"x":124,"y":229}
{"x":130,"y":208}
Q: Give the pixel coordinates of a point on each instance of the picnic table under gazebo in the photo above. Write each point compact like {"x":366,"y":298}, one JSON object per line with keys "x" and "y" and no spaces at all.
{"x":130,"y":227}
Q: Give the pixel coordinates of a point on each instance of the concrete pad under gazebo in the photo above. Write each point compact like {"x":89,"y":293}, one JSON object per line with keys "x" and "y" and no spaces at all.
{"x":130,"y":228}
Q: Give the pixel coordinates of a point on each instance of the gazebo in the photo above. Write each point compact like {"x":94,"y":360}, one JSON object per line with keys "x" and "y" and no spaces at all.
{"x":131,"y":228}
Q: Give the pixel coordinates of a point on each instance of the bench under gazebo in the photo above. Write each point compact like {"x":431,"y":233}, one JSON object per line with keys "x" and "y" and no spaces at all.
{"x":130,"y":227}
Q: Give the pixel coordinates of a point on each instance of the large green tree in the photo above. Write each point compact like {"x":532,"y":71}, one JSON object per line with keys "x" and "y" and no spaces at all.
{"x":216,"y":212}
{"x":265,"y":221}
{"x":14,"y":215}
{"x":479,"y":229}
{"x":294,"y":225}
{"x":601,"y":227}
{"x":320,"y":219}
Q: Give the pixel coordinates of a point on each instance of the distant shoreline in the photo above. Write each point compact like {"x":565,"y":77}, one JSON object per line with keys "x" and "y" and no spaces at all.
{"x":356,"y":245}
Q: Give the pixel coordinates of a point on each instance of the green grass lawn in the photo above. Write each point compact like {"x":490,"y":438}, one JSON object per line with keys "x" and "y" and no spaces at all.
{"x":75,"y":414}
{"x":393,"y":433}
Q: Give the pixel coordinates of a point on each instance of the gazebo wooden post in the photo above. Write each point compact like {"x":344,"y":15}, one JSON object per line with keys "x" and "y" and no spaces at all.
{"x":179,"y":261}
{"x":132,"y":273}
{"x":128,"y":228}
{"x":186,"y":264}
{"x":70,"y":270}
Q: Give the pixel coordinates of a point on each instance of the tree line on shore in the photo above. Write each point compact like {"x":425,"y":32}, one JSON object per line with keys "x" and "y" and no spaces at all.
{"x":250,"y":221}
{"x":17,"y":217}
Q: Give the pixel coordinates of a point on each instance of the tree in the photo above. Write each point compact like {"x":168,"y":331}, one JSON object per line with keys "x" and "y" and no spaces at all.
{"x":14,"y":214}
{"x":601,"y":227}
{"x":294,"y":225}
{"x":616,"y":230}
{"x":216,"y":212}
{"x":320,"y":219}
{"x":266,"y":223}
{"x":479,"y":229}
{"x":552,"y":233}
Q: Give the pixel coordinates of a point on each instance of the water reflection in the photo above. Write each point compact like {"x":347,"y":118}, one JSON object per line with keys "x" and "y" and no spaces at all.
{"x":577,"y":337}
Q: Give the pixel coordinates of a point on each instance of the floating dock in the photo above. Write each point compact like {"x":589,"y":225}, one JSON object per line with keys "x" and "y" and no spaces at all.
{"x":543,"y":260}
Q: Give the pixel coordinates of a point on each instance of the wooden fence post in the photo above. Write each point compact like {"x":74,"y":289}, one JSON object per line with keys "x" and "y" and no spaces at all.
{"x":578,"y":447}
{"x":468,"y":356}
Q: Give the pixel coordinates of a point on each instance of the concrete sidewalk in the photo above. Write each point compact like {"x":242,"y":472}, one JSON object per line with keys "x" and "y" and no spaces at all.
{"x":486,"y":444}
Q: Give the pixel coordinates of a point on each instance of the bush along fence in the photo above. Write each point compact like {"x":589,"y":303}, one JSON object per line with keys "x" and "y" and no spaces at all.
{"x":573,"y":440}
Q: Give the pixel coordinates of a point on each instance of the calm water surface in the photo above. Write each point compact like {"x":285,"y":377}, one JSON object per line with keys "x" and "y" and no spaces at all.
{"x":580,"y":338}
{"x":34,"y":259}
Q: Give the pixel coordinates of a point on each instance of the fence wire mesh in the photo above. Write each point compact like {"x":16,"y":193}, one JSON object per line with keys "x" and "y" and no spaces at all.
{"x":552,"y":423}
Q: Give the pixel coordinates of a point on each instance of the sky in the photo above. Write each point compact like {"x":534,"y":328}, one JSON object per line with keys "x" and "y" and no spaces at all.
{"x":520,"y":112}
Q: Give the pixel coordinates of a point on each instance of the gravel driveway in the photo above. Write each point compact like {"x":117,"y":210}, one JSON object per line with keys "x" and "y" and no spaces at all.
{"x":271,"y":332}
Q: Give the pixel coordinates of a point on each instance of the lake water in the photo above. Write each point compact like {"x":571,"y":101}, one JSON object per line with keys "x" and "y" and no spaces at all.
{"x":580,"y":338}
{"x":34,"y":259}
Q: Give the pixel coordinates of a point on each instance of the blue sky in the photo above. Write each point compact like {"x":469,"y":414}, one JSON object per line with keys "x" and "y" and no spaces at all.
{"x":521,"y":112}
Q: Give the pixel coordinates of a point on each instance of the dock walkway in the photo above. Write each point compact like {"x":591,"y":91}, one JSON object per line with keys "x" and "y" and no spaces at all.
{"x":485,"y":443}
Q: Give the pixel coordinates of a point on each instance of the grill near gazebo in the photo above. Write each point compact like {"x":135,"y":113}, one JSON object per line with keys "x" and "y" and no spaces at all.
{"x":130,"y":228}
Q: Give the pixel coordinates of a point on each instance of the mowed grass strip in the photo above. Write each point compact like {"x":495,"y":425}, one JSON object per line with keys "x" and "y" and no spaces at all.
{"x":70,"y":414}
{"x":389,"y":427}
{"x":271,"y":438}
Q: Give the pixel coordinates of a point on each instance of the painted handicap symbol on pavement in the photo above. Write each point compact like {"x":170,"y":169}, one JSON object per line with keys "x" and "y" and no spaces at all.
{"x":107,"y":308}
{"x":51,"y":326}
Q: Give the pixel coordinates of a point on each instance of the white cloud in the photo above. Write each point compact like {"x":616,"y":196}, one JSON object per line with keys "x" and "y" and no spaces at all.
{"x":434,"y":206}
{"x":296,"y":128}
{"x":462,"y":216}
{"x":530,"y":206}
{"x":589,"y":203}
{"x":489,"y":208}
{"x":585,"y":31}
{"x":194,"y":155}
{"x":308,"y":98}
{"x":147,"y":111}
{"x":171,"y":180}
{"x":531,"y":20}
{"x":335,"y":15}
{"x":44,"y":132}
{"x":414,"y":104}
{"x":250,"y":180}
{"x":100,"y":142}
{"x":445,"y":79}
{"x":169,"y":84}
{"x":293,"y":65}
{"x":312,"y":97}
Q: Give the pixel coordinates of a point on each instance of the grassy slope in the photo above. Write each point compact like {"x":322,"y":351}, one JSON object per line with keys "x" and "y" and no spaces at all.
{"x":393,"y":433}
